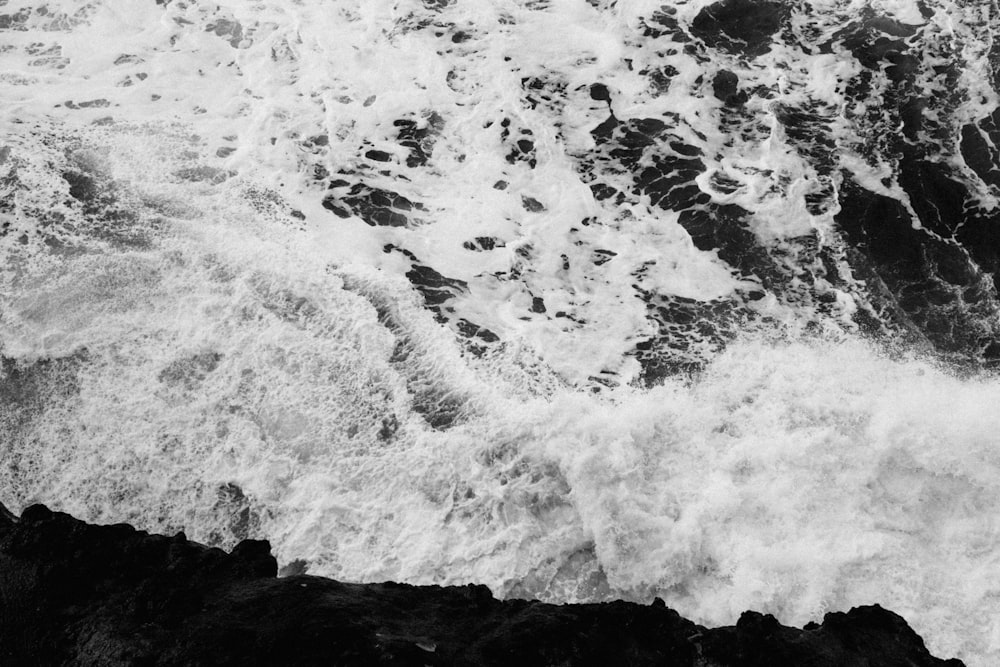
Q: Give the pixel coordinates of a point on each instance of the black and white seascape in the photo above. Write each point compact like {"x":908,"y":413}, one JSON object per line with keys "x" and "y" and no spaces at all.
{"x":578,"y":299}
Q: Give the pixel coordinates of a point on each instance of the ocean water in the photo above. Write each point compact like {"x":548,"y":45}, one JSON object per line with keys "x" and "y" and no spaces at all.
{"x":342,"y":275}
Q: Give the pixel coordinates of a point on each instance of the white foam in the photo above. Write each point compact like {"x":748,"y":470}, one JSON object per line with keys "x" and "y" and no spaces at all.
{"x":241,"y":346}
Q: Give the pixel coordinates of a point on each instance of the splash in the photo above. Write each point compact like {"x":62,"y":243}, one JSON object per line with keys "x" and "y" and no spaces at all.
{"x":559,"y":297}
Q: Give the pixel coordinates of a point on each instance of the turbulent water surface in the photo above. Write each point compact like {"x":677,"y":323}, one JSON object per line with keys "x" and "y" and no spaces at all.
{"x":577,"y":299}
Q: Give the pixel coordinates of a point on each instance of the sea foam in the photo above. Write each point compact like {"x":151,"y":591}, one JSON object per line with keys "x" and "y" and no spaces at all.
{"x":227,"y":357}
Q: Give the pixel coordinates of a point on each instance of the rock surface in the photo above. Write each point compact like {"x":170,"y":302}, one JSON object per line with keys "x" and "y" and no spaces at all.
{"x":74,"y":593}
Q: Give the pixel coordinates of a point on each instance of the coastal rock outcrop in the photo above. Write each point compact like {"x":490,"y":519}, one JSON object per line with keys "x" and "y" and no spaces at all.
{"x":75,"y":593}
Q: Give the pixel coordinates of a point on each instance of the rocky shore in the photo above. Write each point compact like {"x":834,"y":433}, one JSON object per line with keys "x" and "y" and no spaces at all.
{"x":80,"y":594}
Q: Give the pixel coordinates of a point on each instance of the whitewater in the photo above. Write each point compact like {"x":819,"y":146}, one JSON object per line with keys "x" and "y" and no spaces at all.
{"x":339,"y":275}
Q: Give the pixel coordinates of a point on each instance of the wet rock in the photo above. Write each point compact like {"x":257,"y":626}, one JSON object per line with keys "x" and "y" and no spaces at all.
{"x":111,"y":595}
{"x":759,"y":639}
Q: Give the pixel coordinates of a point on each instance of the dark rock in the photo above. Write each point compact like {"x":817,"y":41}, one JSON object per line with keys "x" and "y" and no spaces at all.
{"x":760,"y":640}
{"x":80,"y":594}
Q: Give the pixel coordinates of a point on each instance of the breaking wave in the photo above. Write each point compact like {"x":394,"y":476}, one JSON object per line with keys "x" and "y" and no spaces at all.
{"x":579,"y":300}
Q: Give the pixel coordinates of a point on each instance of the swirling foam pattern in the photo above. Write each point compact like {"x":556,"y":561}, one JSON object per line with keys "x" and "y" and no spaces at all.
{"x":580,"y":300}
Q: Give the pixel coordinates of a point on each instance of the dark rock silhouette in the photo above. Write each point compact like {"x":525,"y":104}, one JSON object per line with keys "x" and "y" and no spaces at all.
{"x":74,"y":593}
